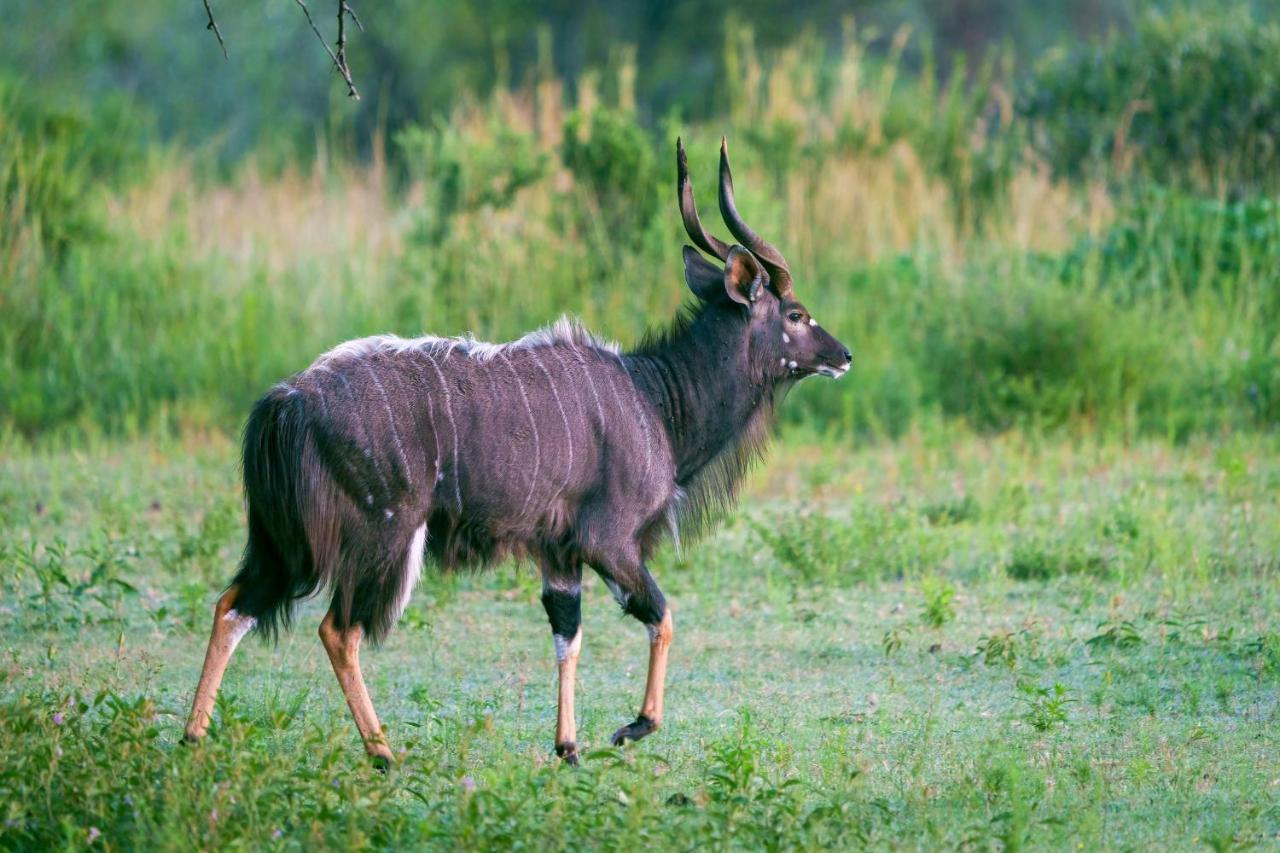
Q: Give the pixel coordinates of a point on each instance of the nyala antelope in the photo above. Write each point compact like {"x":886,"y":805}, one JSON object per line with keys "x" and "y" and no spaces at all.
{"x":387,"y":453}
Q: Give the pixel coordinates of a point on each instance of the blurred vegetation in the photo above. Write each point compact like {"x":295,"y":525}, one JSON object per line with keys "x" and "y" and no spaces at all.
{"x":1016,"y":245}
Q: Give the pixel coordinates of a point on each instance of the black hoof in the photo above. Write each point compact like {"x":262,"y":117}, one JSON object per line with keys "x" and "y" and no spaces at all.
{"x":189,"y":740}
{"x":642,"y":727}
{"x":568,"y":753}
{"x":380,"y":763}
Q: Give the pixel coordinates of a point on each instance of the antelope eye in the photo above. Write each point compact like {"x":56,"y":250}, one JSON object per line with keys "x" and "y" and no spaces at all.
{"x":795,"y":316}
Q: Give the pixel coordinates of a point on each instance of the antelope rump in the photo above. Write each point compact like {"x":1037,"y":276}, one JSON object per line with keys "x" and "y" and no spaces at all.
{"x":388,"y":453}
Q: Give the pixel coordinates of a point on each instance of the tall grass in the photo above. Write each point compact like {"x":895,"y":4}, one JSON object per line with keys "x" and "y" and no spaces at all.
{"x":923,"y":229}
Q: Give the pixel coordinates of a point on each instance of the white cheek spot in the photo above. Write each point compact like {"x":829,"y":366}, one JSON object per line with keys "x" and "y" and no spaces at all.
{"x":786,"y":339}
{"x":812,"y":322}
{"x":791,"y":364}
{"x":388,"y":513}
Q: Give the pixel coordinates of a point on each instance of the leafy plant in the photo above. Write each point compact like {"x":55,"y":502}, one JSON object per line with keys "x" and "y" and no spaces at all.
{"x":1046,"y":707}
{"x":937,"y":609}
{"x":1119,"y":634}
{"x":1006,"y":648}
{"x":608,"y":152}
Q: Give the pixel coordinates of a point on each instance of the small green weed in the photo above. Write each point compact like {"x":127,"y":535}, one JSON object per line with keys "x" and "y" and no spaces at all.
{"x":1046,"y":707}
{"x":937,"y":608}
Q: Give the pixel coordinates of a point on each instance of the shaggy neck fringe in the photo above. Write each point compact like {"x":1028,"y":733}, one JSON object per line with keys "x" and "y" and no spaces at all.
{"x":682,"y":368}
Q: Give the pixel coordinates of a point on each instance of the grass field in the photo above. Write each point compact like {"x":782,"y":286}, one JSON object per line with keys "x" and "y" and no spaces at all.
{"x":1012,"y":583}
{"x":949,"y":641}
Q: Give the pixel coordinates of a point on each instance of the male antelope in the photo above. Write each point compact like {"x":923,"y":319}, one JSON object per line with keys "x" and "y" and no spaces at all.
{"x":557,"y":447}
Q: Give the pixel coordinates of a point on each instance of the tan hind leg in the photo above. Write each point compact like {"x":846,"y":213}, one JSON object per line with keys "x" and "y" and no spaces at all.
{"x":650,"y":718}
{"x":343,"y":647}
{"x":229,"y":628}
{"x":566,"y":727}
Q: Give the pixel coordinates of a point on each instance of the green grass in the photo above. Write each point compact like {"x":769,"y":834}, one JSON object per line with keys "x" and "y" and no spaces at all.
{"x":944,"y":642}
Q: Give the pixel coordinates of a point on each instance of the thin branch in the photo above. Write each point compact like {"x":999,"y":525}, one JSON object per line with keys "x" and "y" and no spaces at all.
{"x":352,"y":13}
{"x":339,"y":58}
{"x":213,"y":25}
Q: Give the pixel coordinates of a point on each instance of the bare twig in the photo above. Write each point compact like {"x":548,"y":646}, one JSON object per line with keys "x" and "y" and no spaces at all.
{"x":339,"y":58}
{"x":213,"y":25}
{"x":352,"y":13}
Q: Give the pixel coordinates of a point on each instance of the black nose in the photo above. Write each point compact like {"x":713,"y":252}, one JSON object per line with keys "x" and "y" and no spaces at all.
{"x":848,"y":356}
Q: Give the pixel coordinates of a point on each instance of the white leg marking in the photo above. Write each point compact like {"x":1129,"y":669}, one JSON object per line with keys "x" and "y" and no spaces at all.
{"x":786,"y":339}
{"x":448,"y":409}
{"x":568,"y":434}
{"x":567,"y":648}
{"x":412,"y":569}
{"x":391,"y":419}
{"x":812,"y":322}
{"x":537,"y":444}
{"x":241,"y":625}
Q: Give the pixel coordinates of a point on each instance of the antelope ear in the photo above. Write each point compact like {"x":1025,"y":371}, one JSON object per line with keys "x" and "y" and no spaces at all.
{"x":743,"y":276}
{"x":704,"y":278}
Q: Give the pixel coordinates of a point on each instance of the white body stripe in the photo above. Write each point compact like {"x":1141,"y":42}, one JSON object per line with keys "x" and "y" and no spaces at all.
{"x":537,"y":444}
{"x":568,"y":433}
{"x":448,"y":408}
{"x":644,"y":421}
{"x":577,"y":396}
{"x":591,"y":383}
{"x":391,"y":417}
{"x":364,"y":436}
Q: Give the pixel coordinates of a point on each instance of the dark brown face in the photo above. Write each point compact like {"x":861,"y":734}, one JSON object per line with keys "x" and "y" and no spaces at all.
{"x":787,"y":335}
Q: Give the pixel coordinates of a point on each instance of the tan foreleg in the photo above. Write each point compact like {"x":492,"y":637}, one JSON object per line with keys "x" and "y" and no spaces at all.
{"x":343,"y":647}
{"x":650,"y":718}
{"x":229,"y":628}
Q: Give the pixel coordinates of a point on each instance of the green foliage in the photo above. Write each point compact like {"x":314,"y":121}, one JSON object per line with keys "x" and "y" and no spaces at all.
{"x":1190,"y":95}
{"x":1007,"y":648}
{"x":52,"y":160}
{"x":1036,"y":561}
{"x":1162,"y":320}
{"x":613,"y":157}
{"x":1116,"y":634}
{"x":468,"y":171}
{"x":1046,"y":707}
{"x":937,"y":608}
{"x":1032,"y":352}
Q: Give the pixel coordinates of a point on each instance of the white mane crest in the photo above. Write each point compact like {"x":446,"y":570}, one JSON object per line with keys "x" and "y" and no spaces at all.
{"x":566,"y":330}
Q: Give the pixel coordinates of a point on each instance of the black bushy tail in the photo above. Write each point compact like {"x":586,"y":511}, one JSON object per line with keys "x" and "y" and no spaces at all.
{"x":292,"y":520}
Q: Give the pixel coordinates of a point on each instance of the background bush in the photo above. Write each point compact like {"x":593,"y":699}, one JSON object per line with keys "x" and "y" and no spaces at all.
{"x":1187,"y":98}
{"x":144,"y":289}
